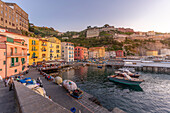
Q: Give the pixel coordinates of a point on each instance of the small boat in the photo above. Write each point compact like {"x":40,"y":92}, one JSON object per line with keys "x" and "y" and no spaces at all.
{"x":71,"y":87}
{"x":99,"y":66}
{"x":125,"y":79}
{"x":77,"y":93}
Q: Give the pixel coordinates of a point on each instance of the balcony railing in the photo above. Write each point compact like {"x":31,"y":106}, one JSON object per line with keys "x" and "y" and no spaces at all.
{"x":15,"y":64}
{"x":43,"y":50}
{"x":34,"y":49}
{"x":51,"y":51}
{"x":44,"y":44}
{"x":34,"y":57}
{"x":16,"y":54}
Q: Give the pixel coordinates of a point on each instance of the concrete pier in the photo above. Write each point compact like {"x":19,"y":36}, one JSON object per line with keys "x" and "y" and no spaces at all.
{"x":60,"y":96}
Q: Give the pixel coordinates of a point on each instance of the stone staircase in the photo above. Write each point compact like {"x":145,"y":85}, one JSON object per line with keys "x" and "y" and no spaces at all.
{"x":7,"y":100}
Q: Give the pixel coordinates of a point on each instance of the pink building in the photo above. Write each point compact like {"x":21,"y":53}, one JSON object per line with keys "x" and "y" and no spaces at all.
{"x":80,"y":53}
{"x":14,"y":56}
{"x":119,"y":53}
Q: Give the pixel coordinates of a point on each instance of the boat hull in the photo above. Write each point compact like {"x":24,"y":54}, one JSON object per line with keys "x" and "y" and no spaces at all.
{"x":123,"y":81}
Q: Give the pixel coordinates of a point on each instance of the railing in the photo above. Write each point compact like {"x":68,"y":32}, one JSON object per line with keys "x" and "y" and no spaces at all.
{"x":34,"y":57}
{"x":16,"y":54}
{"x":34,"y":49}
{"x":44,"y":44}
{"x":15,"y":64}
{"x":43,"y":50}
{"x":51,"y":51}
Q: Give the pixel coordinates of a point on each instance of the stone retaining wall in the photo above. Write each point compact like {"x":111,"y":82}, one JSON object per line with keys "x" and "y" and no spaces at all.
{"x":31,"y":102}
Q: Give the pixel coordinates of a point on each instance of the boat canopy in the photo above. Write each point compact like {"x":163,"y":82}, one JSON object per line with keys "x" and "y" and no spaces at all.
{"x":127,"y":76}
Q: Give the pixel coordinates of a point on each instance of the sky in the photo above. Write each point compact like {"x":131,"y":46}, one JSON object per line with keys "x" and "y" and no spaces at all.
{"x":76,"y":15}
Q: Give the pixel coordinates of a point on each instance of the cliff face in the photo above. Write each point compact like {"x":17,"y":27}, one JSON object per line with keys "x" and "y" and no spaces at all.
{"x":141,"y":50}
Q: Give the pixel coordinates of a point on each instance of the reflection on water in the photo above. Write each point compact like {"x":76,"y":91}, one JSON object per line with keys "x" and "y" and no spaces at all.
{"x":151,"y":96}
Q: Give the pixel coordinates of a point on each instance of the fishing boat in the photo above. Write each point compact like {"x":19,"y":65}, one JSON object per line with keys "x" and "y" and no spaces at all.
{"x":125,"y":79}
{"x":71,"y":87}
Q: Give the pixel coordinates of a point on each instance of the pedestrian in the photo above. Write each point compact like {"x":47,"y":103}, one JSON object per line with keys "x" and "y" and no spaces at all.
{"x":5,"y":82}
{"x":11,"y":83}
{"x":39,"y":81}
{"x":1,"y":78}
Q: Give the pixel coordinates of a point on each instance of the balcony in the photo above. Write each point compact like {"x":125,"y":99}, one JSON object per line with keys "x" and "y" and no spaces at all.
{"x":51,"y":51}
{"x":16,"y":54}
{"x":15,"y":64}
{"x":51,"y":46}
{"x":34,"y":49}
{"x":44,"y":45}
{"x":44,"y":50}
{"x":34,"y":57}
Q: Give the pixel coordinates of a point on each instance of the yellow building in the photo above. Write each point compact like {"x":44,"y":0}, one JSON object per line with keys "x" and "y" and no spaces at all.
{"x":54,"y":48}
{"x":33,"y":50}
{"x":152,"y":53}
{"x":96,"y":52}
{"x":43,"y":50}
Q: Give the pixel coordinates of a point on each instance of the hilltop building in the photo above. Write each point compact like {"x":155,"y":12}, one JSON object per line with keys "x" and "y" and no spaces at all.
{"x":95,"y":31}
{"x":165,"y":52}
{"x":151,"y":33}
{"x":96,"y":52}
{"x":110,"y":54}
{"x":80,"y":53}
{"x":67,"y":51}
{"x":12,"y":16}
{"x":124,"y":30}
{"x":152,"y":53}
{"x":119,"y":53}
{"x":13,"y":57}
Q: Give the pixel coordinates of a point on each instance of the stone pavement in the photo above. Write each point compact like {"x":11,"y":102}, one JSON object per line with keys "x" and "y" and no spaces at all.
{"x":8,"y":102}
{"x":58,"y":94}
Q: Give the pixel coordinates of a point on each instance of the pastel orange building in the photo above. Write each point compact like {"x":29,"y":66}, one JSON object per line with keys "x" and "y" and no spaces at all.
{"x":14,"y":56}
{"x":80,"y":53}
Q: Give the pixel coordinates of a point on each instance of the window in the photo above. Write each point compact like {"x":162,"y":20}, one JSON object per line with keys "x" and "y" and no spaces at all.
{"x":4,"y":53}
{"x":4,"y":62}
{"x":16,"y":20}
{"x":15,"y":50}
{"x":1,"y":12}
{"x":9,"y":17}
{"x":15,"y":70}
{"x":2,"y":19}
{"x":6,"y":8}
{"x":17,"y":59}
{"x":5,"y":21}
{"x":0,"y":69}
{"x":5,"y":14}
{"x":12,"y":61}
{"x":1,"y":5}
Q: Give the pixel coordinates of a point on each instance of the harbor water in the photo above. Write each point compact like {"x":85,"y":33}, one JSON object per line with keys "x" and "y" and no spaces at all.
{"x":152,"y":96}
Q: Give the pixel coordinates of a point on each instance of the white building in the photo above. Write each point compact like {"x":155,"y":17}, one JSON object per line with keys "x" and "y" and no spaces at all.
{"x":165,"y":52}
{"x":110,"y":54}
{"x":67,"y":51}
{"x":65,"y":38}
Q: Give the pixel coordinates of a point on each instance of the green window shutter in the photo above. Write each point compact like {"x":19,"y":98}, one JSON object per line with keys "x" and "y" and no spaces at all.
{"x":4,"y":62}
{"x":32,"y":42}
{"x":15,"y":70}
{"x":12,"y":61}
{"x":15,"y":50}
{"x":17,"y":59}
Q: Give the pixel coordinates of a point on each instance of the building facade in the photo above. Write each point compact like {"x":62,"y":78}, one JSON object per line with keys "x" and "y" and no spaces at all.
{"x":96,"y":52}
{"x":110,"y":54}
{"x":119,"y":53}
{"x":152,"y":53}
{"x":67,"y":49}
{"x":33,"y":51}
{"x":12,"y":16}
{"x":43,"y":50}
{"x":165,"y":52}
{"x":80,"y":53}
{"x":15,"y":56}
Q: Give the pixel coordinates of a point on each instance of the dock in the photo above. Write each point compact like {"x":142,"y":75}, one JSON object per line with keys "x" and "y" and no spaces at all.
{"x":59,"y":95}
